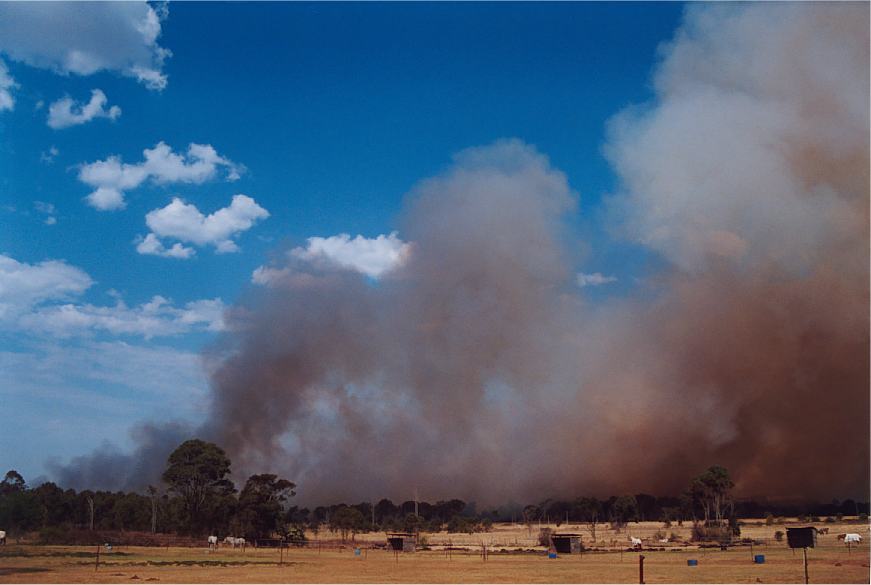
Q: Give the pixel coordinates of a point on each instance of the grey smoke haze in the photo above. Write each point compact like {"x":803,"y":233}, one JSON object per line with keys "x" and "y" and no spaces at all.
{"x":477,"y":369}
{"x":109,"y":468}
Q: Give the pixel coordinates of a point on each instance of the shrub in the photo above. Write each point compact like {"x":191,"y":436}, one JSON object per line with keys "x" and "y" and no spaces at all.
{"x":673,"y":537}
{"x":863,"y":517}
{"x":778,"y":536}
{"x":295,"y":533}
{"x":721,"y":534}
{"x":815,"y":518}
{"x":53,"y":535}
{"x":659,"y":535}
{"x":769,"y":519}
{"x":461,"y":524}
{"x":829,"y":520}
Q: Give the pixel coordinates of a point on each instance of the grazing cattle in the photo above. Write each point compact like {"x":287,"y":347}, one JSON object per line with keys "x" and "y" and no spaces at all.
{"x":663,"y":540}
{"x":229,"y":540}
{"x":852,"y":537}
{"x":636,"y":542}
{"x":822,"y":530}
{"x":213,"y":542}
{"x":2,"y":537}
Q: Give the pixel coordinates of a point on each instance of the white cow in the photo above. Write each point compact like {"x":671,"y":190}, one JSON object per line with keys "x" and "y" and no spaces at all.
{"x":852,"y":537}
{"x":213,"y":542}
{"x":2,"y":537}
{"x":636,"y":542}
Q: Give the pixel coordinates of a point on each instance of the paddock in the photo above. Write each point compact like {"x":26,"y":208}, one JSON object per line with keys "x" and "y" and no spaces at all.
{"x":828,"y":563}
{"x":509,"y":553}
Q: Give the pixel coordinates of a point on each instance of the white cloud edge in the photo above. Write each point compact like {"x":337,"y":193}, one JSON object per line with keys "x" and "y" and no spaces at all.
{"x":66,"y":112}
{"x":40,"y":298}
{"x":372,"y":257}
{"x":186,"y":223}
{"x":594,"y":279}
{"x":111,"y":178}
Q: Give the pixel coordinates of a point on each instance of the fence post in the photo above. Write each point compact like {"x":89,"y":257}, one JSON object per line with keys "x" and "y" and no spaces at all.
{"x":641,"y":569}
{"x":805,"y":566}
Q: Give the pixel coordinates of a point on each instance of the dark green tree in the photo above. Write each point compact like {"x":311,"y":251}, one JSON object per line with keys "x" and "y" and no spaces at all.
{"x":197,"y":472}
{"x":261,"y":504}
{"x":12,"y":482}
{"x":345,"y":520}
{"x":624,"y":509}
{"x":589,"y":510}
{"x":712,"y":489}
{"x":20,"y":509}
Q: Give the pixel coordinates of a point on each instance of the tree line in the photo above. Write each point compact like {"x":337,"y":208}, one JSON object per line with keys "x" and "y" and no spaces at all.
{"x":197,"y":497}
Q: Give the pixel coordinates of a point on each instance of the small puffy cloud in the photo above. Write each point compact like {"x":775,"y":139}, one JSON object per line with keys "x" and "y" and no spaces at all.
{"x":156,"y":318}
{"x":83,"y":38}
{"x":112,"y":177}
{"x":370,"y":256}
{"x":65,"y":112}
{"x":48,"y":156}
{"x":151,"y":245}
{"x":594,"y":279}
{"x":7,"y":102}
{"x":47,"y":209}
{"x":24,"y":285}
{"x":184,"y":222}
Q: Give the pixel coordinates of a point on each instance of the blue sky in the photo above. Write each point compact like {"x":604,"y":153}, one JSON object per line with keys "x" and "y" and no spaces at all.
{"x":328,"y":114}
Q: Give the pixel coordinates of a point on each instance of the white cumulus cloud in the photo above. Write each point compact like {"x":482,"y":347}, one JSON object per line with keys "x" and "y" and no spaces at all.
{"x":83,"y":38}
{"x":156,"y":318}
{"x":24,"y":285}
{"x":184,"y":222}
{"x":371,"y":256}
{"x":7,"y":102}
{"x":65,"y":112}
{"x":594,"y":279}
{"x":151,"y":245}
{"x":41,"y":299}
{"x":112,"y":177}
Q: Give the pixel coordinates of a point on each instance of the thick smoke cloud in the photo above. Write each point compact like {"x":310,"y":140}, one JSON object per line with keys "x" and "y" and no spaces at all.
{"x":477,"y":369}
{"x":108,"y":468}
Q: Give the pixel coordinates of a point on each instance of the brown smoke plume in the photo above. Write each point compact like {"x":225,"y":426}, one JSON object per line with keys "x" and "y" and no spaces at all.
{"x":477,"y":370}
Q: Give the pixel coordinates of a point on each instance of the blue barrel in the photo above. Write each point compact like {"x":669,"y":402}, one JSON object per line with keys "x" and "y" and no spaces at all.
{"x":357,"y":552}
{"x":692,"y":562}
{"x":551,"y":555}
{"x":759,"y":559}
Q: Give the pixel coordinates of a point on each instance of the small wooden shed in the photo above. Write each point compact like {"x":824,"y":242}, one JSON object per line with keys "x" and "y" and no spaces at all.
{"x":567,"y":543}
{"x":401,"y":541}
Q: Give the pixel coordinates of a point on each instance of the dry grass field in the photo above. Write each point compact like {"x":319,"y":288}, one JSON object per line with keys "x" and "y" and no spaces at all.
{"x":830,"y":562}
